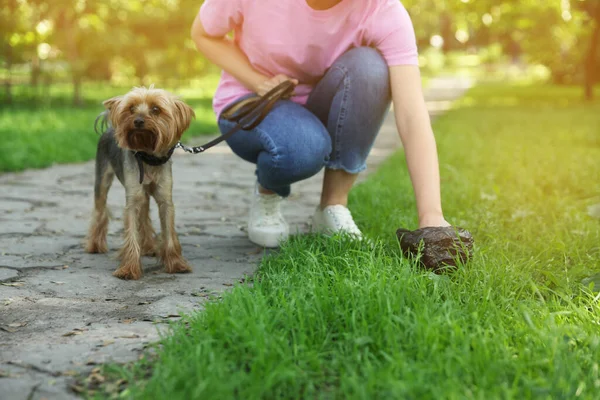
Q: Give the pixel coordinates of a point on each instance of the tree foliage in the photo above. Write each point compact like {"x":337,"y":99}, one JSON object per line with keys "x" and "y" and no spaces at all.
{"x":141,"y":41}
{"x":136,"y":41}
{"x":562,"y":35}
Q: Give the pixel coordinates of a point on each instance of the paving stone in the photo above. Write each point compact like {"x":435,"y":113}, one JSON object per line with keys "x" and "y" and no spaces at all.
{"x":7,"y":273}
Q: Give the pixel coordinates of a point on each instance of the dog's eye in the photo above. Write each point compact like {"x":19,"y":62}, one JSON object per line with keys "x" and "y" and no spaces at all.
{"x":155,"y":110}
{"x":132,"y":109}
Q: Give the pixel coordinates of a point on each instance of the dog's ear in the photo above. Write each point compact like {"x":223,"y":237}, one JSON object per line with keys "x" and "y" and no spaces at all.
{"x":183,"y":115}
{"x":110,"y":104}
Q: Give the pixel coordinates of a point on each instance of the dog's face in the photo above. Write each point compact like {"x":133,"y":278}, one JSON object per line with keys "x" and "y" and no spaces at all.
{"x":148,"y":120}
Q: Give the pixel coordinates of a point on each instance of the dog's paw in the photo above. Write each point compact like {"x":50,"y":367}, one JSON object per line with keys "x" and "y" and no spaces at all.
{"x":149,"y":251}
{"x":95,"y":247}
{"x":129,"y":272}
{"x":177,"y":266}
{"x":149,"y":246}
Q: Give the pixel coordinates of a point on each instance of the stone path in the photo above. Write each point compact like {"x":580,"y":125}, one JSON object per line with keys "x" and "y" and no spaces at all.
{"x":62,"y":311}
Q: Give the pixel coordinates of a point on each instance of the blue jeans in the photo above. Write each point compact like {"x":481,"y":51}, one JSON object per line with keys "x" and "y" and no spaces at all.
{"x":336,"y":128}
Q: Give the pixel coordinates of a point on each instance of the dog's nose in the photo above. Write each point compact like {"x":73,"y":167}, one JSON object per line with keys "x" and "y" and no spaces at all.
{"x":138,"y":122}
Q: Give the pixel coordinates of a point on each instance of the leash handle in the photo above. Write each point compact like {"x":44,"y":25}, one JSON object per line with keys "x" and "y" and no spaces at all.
{"x":247,"y":114}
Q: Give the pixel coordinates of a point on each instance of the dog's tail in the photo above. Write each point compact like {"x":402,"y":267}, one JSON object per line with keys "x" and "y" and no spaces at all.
{"x":102,"y":122}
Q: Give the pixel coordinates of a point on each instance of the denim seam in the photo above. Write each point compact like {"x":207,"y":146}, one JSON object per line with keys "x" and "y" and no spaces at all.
{"x":342,"y":115}
{"x":273,"y":150}
{"x":272,"y":147}
{"x":339,"y":166}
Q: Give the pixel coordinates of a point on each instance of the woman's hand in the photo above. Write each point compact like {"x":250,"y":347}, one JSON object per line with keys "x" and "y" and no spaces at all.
{"x":265,"y":85}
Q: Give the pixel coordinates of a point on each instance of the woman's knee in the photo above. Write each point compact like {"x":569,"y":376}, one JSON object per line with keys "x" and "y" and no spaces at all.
{"x":366,"y":68}
{"x":316,"y":152}
{"x":303,"y":156}
{"x":297,"y":136}
{"x":289,"y":145}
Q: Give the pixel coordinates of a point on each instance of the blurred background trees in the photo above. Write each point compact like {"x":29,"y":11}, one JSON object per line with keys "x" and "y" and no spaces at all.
{"x":48,"y":42}
{"x":121,"y":42}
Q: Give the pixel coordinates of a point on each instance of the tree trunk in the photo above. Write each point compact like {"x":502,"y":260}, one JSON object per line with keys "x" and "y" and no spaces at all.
{"x":35,"y":71}
{"x":8,"y":82}
{"x":12,"y":7}
{"x":35,"y":60}
{"x":69,"y":26}
{"x":590,"y":64}
{"x":446,"y":32}
{"x":77,"y":97}
{"x":76,"y":70}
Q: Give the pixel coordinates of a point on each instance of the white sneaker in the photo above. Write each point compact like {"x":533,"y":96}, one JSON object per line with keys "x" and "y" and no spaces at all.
{"x":334,"y":219}
{"x":266,"y":226}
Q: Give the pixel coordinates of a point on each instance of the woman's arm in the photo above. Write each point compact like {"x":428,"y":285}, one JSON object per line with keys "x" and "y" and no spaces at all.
{"x":226,"y":55}
{"x":414,"y":127}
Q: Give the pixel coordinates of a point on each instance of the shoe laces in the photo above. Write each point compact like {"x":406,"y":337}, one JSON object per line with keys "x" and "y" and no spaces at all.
{"x":343,"y":219}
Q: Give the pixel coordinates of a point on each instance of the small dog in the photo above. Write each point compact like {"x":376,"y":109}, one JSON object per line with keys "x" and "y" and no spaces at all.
{"x":141,"y":131}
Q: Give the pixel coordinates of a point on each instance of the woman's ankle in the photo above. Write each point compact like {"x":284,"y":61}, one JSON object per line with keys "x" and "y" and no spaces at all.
{"x":262,"y":190}
{"x":335,"y":201}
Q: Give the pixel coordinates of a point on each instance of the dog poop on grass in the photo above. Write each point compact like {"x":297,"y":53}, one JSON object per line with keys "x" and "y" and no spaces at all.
{"x":442,"y":246}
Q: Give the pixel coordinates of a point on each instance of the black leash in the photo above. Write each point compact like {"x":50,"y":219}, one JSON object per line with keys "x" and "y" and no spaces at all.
{"x":246,"y":114}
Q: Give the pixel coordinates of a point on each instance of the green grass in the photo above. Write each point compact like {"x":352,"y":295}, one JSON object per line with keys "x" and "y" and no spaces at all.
{"x":330,"y":318}
{"x":45,"y":130}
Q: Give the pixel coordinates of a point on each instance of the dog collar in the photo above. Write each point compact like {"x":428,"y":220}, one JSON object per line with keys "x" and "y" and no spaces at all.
{"x":145,"y":158}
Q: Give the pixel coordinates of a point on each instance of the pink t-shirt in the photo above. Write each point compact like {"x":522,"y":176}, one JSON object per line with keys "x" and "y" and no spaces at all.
{"x":289,"y":37}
